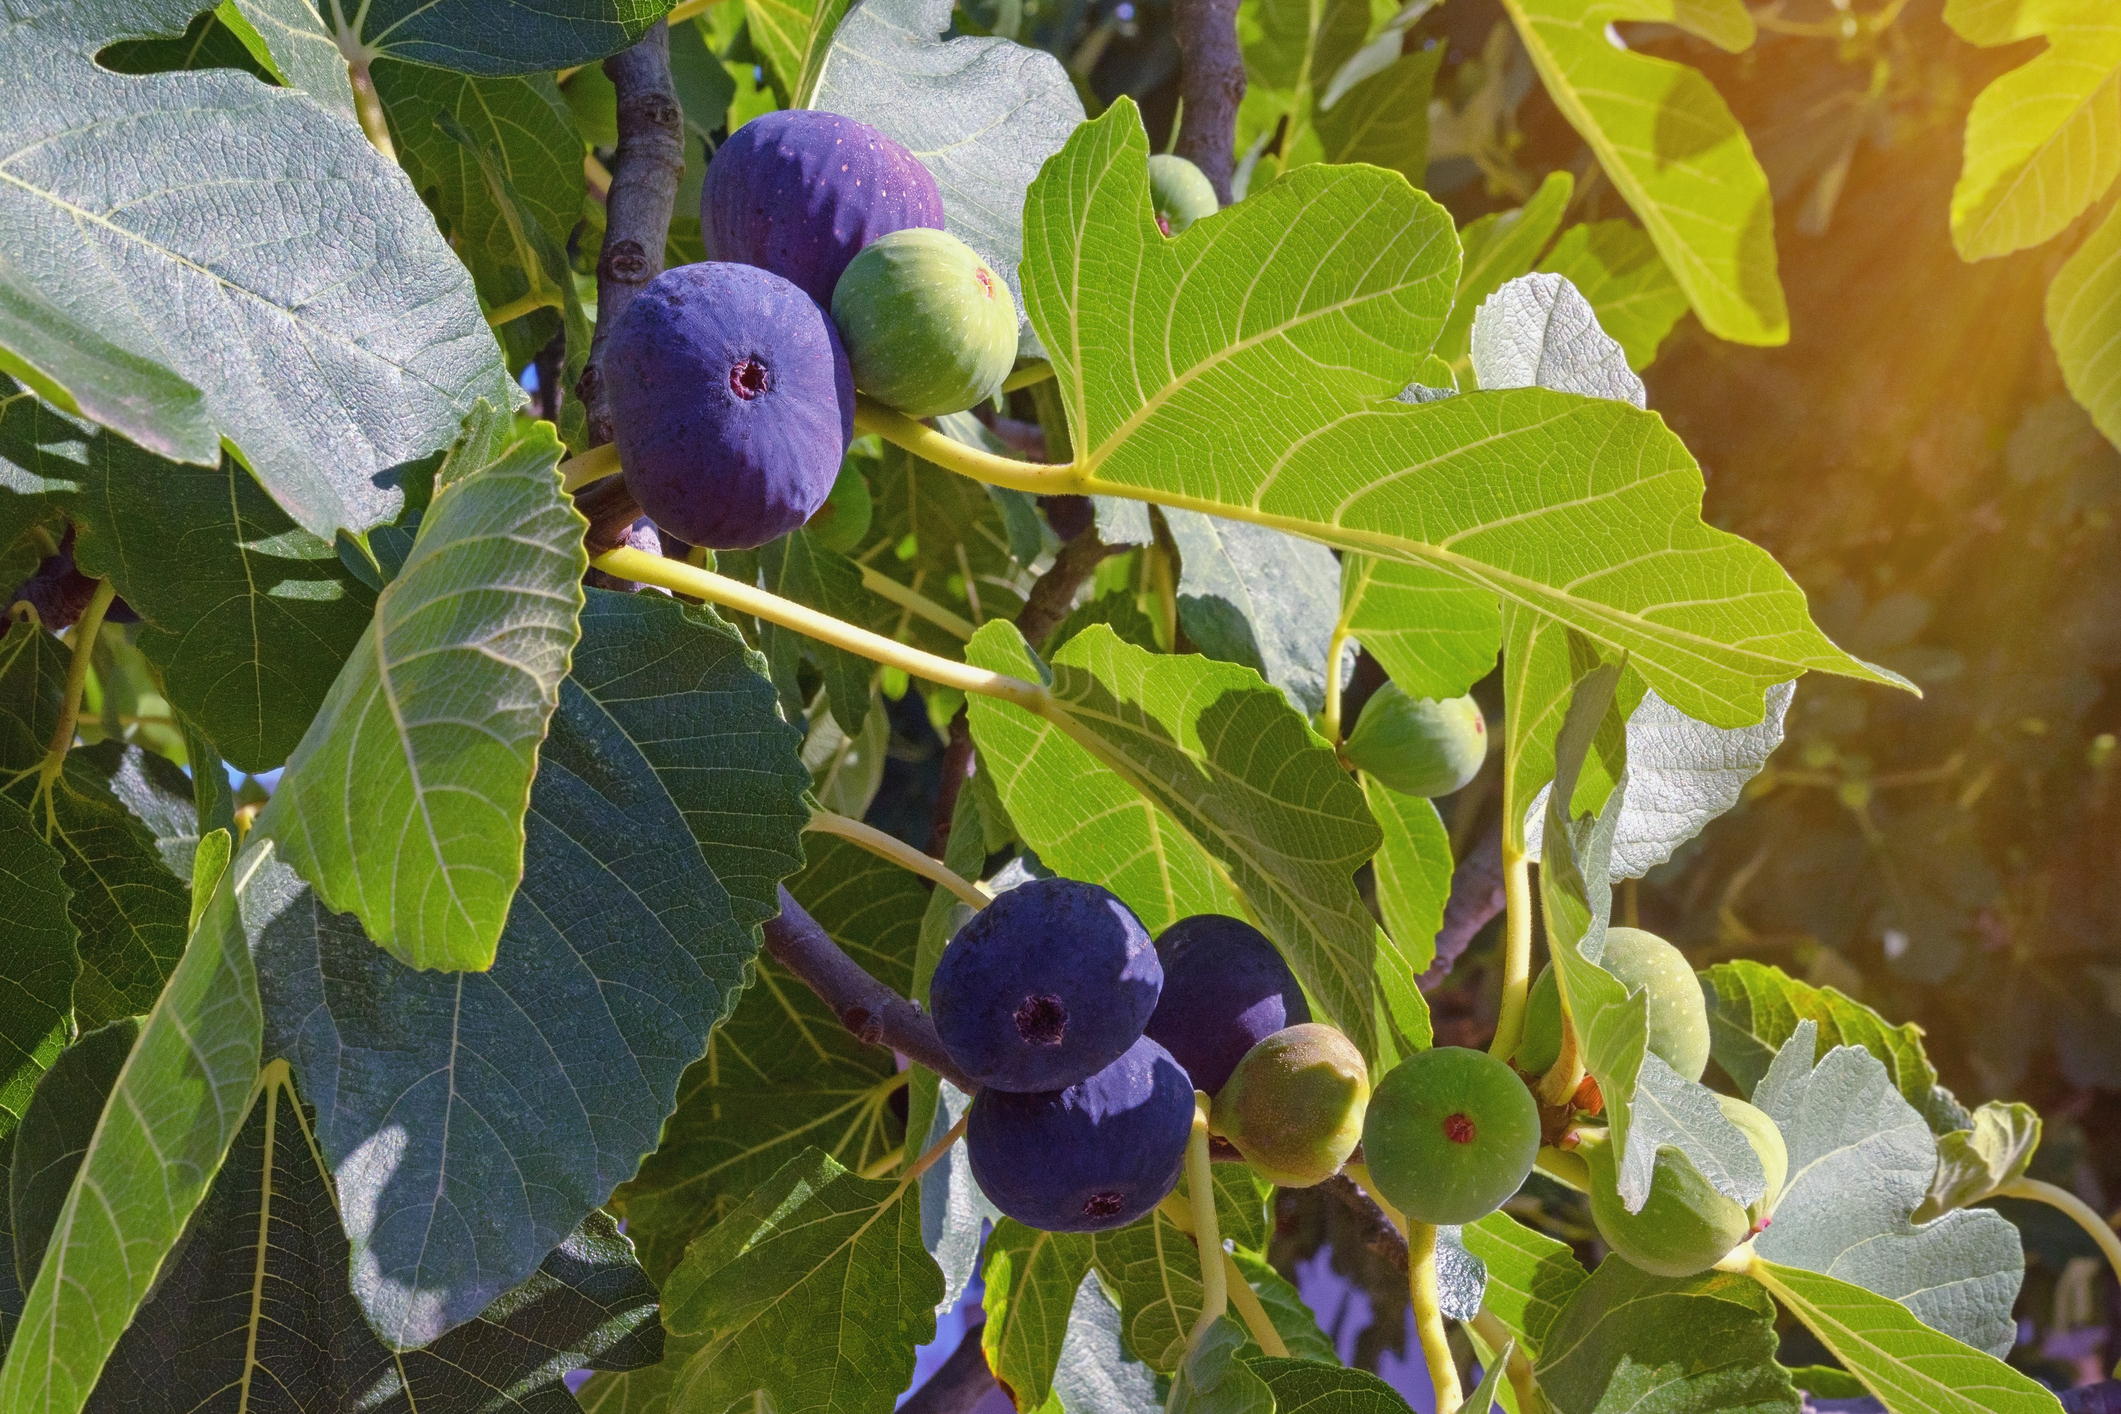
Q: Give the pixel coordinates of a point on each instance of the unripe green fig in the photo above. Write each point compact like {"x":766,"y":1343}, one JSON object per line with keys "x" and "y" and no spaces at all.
{"x":1679,"y":1013}
{"x":929,"y":329}
{"x":843,"y":520}
{"x":1180,"y":192}
{"x":1685,"y":1227}
{"x":1766,"y":1139}
{"x":1540,"y":1046}
{"x":1294,"y":1105}
{"x":1450,"y":1135}
{"x":1417,"y":745}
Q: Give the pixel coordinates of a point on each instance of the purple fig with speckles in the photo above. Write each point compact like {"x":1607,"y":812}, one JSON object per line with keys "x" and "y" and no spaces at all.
{"x":800,"y":192}
{"x":731,"y":401}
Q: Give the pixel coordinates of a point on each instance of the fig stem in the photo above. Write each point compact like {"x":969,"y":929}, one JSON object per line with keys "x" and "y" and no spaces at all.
{"x":2085,"y":1216}
{"x":904,"y":855}
{"x":368,"y":106}
{"x":84,"y":647}
{"x":1040,"y":479}
{"x":919,"y":605}
{"x":1517,"y":947}
{"x":1329,"y":715}
{"x":1207,"y":1234}
{"x":516,"y":308}
{"x":935,"y":1151}
{"x":1030,"y":373}
{"x":1428,"y":1317}
{"x":1567,"y":1169}
{"x":593,"y":465}
{"x":682,"y":578}
{"x":1496,"y":1336}
{"x":1242,"y":1296}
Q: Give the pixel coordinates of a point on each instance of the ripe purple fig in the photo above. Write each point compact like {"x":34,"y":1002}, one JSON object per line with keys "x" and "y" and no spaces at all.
{"x":1226,"y":989}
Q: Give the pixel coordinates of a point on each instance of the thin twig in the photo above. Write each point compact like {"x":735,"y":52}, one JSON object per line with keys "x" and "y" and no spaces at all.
{"x":645,"y":170}
{"x":869,"y":1010}
{"x":1377,"y":1232}
{"x":958,"y":766}
{"x":1477,"y":895}
{"x":1054,"y":594}
{"x":1211,"y":82}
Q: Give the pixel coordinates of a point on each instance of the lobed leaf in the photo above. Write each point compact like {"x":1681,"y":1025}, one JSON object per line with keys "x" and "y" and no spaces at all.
{"x":286,"y":293}
{"x":482,"y":37}
{"x":1616,"y":267}
{"x":1696,"y":1345}
{"x":665,"y":811}
{"x":2039,"y":142}
{"x":1305,"y":1387}
{"x":1671,"y":147}
{"x":1413,"y":868}
{"x":1531,"y":1277}
{"x":37,"y":975}
{"x":1096,"y":1375}
{"x":403,"y":803}
{"x":1260,"y":598}
{"x":1307,"y":307}
{"x":1434,"y":635}
{"x":2083,"y":311}
{"x":1212,"y":1379}
{"x":1034,"y":1286}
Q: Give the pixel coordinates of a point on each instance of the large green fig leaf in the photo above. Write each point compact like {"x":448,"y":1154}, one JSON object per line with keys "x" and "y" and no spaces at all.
{"x":1755,"y":1008}
{"x":58,"y":1125}
{"x":1307,"y":308}
{"x":1671,"y":147}
{"x":955,"y":1214}
{"x":2039,"y":141}
{"x":980,"y":113}
{"x":1084,"y":819}
{"x":1095,"y":1374}
{"x":1435,"y":635}
{"x":1861,"y":1161}
{"x":130,"y":912}
{"x":174,"y":1109}
{"x":1413,"y":870}
{"x":1913,"y":1368}
{"x":1217,"y":750}
{"x":1531,"y":1277}
{"x":1212,"y":1379}
{"x":665,"y":811}
{"x":1250,"y":595}
{"x":484,"y":37}
{"x":1651,"y":1345}
{"x":1681,"y":775}
{"x":247,"y":615}
{"x":1034,"y":1280}
{"x":814,"y":1292}
{"x":39,"y":966}
{"x":2083,"y":313}
{"x":291,"y":278}
{"x":1292,"y":49}
{"x":403,"y":803}
{"x":1307,"y":1387}
{"x":782,"y":1074}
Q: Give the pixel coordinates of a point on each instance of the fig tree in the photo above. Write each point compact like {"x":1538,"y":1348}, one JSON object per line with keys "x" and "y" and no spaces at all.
{"x":1294,"y":1105}
{"x":1094,"y":1155}
{"x":1053,"y":980}
{"x":731,"y":404}
{"x":1180,"y":193}
{"x":1450,"y":1135}
{"x":1418,"y":745}
{"x":1226,"y":989}
{"x":929,"y":328}
{"x":800,"y":192}
{"x":1685,"y":1227}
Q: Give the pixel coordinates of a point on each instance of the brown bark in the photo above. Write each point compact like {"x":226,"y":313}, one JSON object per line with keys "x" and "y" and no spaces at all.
{"x":1212,"y":83}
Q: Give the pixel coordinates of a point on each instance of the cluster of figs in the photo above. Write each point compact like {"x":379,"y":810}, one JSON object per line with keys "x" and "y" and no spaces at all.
{"x":732,"y":381}
{"x":1093,"y":1046}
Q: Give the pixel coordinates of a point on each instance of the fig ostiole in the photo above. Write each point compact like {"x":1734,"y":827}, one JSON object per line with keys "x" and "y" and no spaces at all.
{"x":929,"y":327}
{"x":1051,"y":982}
{"x":1226,"y":989}
{"x":731,"y":403}
{"x":800,"y":192}
{"x":1093,"y":1155}
{"x":1294,"y":1105}
{"x":1450,"y":1135}
{"x":1179,"y":193}
{"x":1418,"y":746}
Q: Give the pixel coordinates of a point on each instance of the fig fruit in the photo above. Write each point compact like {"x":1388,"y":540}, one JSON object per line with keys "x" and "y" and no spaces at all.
{"x":929,"y":328}
{"x":800,"y":192}
{"x":843,"y":520}
{"x":731,"y":404}
{"x":1052,"y":981}
{"x":1685,"y":1227}
{"x":59,"y":592}
{"x":1294,"y":1105}
{"x":1418,"y":745}
{"x":1450,"y":1135}
{"x":1767,"y":1142}
{"x":1679,"y":1014}
{"x":1180,"y":193}
{"x":1095,"y":1155}
{"x":1540,"y":1046}
{"x":1226,"y":989}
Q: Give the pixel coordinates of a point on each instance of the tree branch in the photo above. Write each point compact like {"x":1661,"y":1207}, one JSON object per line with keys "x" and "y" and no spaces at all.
{"x":872,"y":1012}
{"x":1212,"y":83}
{"x":1054,"y":594}
{"x":1378,"y":1234}
{"x":959,"y":1383}
{"x":645,"y":169}
{"x":1477,"y":895}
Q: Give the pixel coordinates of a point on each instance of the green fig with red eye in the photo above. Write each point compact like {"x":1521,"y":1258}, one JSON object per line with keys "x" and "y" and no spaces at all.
{"x":1450,"y":1135}
{"x":1179,"y":192}
{"x":1418,"y":746}
{"x":1294,"y":1105}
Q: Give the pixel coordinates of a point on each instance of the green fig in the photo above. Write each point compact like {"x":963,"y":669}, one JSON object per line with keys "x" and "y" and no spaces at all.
{"x":1450,"y":1135}
{"x":1294,"y":1105}
{"x":1418,"y":746}
{"x":843,"y":520}
{"x":929,"y":329}
{"x":1540,"y":1046}
{"x":1766,"y":1139}
{"x":1679,"y":1013}
{"x":1180,"y":192}
{"x":1684,"y":1227}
